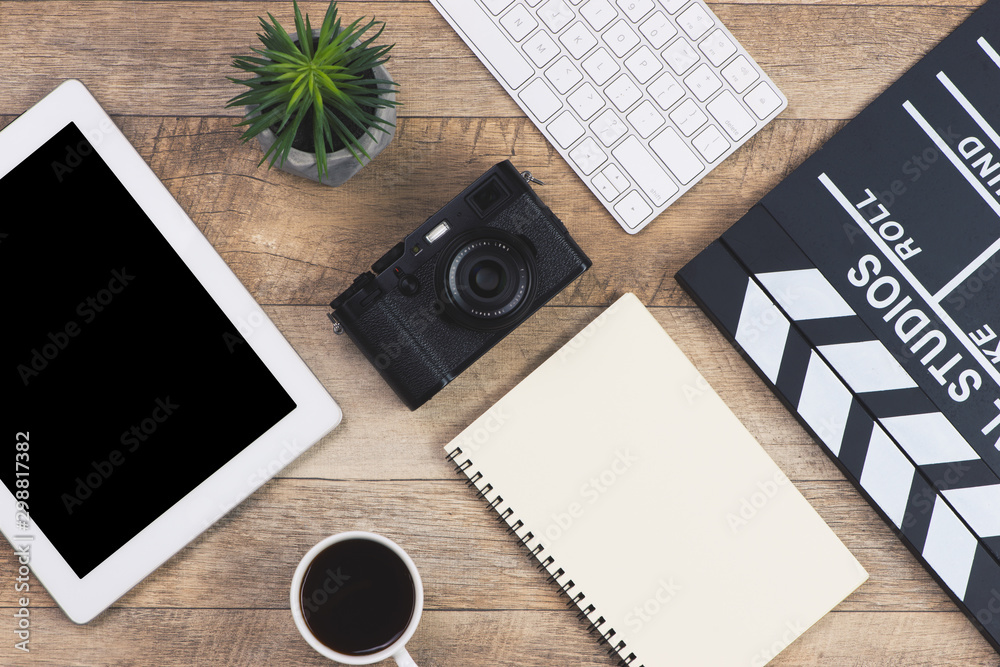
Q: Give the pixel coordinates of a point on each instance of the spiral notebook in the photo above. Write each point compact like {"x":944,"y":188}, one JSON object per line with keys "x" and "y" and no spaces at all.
{"x":650,"y":506}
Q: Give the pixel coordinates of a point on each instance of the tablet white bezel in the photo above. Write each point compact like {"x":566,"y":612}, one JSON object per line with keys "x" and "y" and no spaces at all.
{"x":316,"y":413}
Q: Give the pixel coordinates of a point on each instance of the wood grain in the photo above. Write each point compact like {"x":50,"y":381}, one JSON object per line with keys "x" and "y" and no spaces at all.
{"x":172,"y":58}
{"x":292,"y":241}
{"x":159,"y":68}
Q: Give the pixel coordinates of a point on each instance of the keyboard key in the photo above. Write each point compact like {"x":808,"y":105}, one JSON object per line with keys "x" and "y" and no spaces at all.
{"x":696,"y":21}
{"x":578,"y":40}
{"x":740,"y":74}
{"x":519,"y":23}
{"x":645,"y":171}
{"x":563,"y":75}
{"x":586,"y":100}
{"x":541,"y":49}
{"x":497,"y":6}
{"x":565,"y":129}
{"x":711,"y":144}
{"x":556,"y":14}
{"x":633,"y":209}
{"x":623,"y":93}
{"x":616,"y":178}
{"x":731,"y":115}
{"x":703,"y":82}
{"x":666,"y":91}
{"x":601,"y":66}
{"x":608,"y":127}
{"x":599,"y":13}
{"x":495,"y":49}
{"x":621,"y":38}
{"x":680,"y":159}
{"x":588,"y":156}
{"x":646,"y":119}
{"x":688,"y":117}
{"x":635,"y":9}
{"x":604,"y":186}
{"x":541,"y":101}
{"x":680,"y":56}
{"x":644,"y":64}
{"x":658,"y":30}
{"x":763,"y":100}
{"x":641,"y":97}
{"x":717,"y":47}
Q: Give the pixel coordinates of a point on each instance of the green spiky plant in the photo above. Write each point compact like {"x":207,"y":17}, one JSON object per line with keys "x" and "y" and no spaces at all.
{"x":322,"y":77}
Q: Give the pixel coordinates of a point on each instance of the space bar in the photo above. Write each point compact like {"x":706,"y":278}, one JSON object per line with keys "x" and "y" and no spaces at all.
{"x":487,"y":40}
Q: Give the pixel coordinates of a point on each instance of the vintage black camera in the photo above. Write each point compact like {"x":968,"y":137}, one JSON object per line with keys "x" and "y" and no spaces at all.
{"x":458,"y":284}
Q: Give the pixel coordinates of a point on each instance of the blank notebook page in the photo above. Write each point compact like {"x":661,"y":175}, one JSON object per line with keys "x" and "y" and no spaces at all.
{"x":655,"y":501}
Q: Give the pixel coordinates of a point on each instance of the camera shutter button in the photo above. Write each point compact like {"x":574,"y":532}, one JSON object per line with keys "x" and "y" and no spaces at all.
{"x":409,"y":285}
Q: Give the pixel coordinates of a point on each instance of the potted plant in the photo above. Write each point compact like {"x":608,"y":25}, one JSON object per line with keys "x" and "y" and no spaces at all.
{"x":320,"y":108}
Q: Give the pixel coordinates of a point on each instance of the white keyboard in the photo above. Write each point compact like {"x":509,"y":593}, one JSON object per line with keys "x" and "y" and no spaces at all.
{"x":641,"y":97}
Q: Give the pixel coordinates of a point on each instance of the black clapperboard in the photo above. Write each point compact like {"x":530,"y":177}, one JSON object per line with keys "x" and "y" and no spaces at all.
{"x":865,"y":290}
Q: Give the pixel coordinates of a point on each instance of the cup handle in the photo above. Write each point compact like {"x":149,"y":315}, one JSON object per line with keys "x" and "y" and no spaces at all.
{"x":403,"y":659}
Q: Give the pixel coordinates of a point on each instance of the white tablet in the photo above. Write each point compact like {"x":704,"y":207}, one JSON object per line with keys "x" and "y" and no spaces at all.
{"x":146,"y":392}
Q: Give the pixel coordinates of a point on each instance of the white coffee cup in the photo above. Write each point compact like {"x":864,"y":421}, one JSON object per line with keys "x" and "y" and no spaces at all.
{"x":397,"y":650}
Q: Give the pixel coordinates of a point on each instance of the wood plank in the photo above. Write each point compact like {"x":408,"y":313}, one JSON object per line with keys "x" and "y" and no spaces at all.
{"x":407,"y":445}
{"x":465,"y":557}
{"x":512,"y":638}
{"x":297,"y":242}
{"x":172,"y":58}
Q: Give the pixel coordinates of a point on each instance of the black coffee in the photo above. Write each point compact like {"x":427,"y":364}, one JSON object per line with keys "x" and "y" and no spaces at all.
{"x":357,"y":597}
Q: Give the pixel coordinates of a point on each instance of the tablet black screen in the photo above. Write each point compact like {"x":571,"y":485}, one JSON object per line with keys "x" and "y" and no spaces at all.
{"x":130,"y":382}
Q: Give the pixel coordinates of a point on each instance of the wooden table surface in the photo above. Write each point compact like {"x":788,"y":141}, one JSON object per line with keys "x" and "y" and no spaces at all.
{"x":159,"y":69}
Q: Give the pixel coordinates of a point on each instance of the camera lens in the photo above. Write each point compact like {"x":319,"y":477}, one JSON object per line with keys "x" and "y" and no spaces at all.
{"x":487,"y":279}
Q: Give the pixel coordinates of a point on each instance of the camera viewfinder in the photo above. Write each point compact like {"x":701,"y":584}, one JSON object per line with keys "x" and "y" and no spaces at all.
{"x":488,"y":196}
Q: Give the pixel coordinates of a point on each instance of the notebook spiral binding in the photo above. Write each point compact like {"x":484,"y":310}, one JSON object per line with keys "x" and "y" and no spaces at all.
{"x":544,"y":563}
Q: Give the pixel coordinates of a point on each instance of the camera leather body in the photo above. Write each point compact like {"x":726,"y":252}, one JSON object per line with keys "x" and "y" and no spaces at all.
{"x":429,"y":309}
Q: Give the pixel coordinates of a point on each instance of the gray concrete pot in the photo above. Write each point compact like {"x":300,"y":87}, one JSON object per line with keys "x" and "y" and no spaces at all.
{"x":340,"y":165}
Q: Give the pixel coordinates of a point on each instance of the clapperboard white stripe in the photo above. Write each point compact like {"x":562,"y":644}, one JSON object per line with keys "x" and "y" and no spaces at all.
{"x":985,"y":46}
{"x":887,"y":475}
{"x":866,"y":367}
{"x":900,"y":491}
